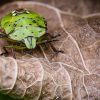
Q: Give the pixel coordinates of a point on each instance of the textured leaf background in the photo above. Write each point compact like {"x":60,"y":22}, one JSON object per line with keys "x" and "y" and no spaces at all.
{"x":72,"y":75}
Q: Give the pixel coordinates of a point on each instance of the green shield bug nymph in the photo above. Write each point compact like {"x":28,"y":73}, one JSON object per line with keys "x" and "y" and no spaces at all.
{"x":24,"y":26}
{"x":24,"y":30}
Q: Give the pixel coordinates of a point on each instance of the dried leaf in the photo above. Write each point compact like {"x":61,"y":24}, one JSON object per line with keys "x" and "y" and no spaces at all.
{"x":73,"y":74}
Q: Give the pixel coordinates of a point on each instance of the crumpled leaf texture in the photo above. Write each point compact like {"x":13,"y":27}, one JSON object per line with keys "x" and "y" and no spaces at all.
{"x":72,"y":75}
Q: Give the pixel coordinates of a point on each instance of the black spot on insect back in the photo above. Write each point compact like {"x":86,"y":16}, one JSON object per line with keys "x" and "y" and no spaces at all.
{"x":17,"y":20}
{"x":21,"y":25}
{"x":15,"y":35}
{"x":34,"y":21}
{"x":14,"y":25}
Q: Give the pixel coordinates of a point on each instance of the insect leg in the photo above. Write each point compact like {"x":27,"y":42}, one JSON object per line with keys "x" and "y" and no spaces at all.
{"x":49,"y":39}
{"x":51,"y":36}
{"x":4,"y":53}
{"x":52,"y":39}
{"x":16,"y":47}
{"x":12,"y":47}
{"x":46,"y":41}
{"x":53,"y":48}
{"x":2,"y":35}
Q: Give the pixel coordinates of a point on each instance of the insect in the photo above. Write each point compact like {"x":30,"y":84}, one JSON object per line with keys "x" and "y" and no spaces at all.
{"x":24,"y":29}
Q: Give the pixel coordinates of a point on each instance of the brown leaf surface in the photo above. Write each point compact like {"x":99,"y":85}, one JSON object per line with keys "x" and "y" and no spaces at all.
{"x":74,"y":74}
